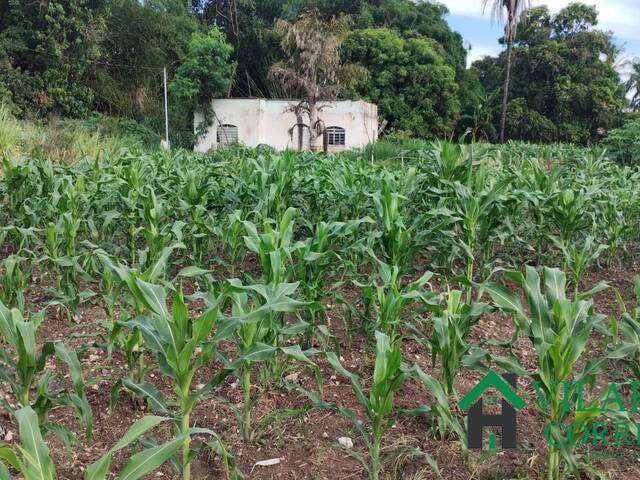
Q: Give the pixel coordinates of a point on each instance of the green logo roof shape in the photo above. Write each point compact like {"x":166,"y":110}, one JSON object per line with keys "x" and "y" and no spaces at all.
{"x":500,"y":384}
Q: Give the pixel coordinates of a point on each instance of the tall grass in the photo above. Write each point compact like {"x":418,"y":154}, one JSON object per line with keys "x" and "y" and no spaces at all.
{"x":68,"y":140}
{"x":9,"y":131}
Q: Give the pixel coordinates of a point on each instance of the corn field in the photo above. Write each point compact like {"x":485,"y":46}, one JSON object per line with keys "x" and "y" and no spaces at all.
{"x":253,"y":314}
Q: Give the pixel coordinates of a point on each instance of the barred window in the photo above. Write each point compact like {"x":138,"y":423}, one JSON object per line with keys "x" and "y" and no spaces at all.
{"x":227,"y":134}
{"x":335,"y":136}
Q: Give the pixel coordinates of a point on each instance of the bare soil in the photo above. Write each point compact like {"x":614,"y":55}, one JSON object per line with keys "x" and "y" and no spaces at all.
{"x":303,"y":442}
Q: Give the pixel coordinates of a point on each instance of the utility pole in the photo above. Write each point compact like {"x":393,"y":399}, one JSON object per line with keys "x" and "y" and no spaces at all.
{"x":165,"y":143}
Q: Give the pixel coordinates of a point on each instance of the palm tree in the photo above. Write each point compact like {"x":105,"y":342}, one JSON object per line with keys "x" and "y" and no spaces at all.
{"x":633,"y":84}
{"x":509,"y":12}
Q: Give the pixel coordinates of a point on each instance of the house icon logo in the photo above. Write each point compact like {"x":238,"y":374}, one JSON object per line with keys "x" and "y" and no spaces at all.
{"x":477,"y":419}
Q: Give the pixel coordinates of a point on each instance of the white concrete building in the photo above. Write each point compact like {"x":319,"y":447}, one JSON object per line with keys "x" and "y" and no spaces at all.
{"x":255,"y":121}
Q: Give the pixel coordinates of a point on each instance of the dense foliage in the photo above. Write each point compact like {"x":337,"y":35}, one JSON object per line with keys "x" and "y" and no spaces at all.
{"x":623,"y":144}
{"x":414,"y":88}
{"x":47,"y":53}
{"x":72,"y":57}
{"x":288,"y":258}
{"x":206,"y":70}
{"x":565,"y":87}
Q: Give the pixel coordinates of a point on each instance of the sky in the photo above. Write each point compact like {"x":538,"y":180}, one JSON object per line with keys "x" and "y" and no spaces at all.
{"x":622,"y":17}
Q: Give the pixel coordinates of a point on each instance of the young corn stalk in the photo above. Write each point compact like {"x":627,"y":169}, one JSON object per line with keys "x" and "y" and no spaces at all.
{"x":479,"y":205}
{"x":558,"y":329}
{"x":125,"y":281}
{"x":386,"y":305}
{"x":578,"y":260}
{"x":443,"y":419}
{"x":274,"y":247}
{"x":627,"y":330}
{"x":23,"y":369}
{"x":151,"y":458}
{"x":61,"y":257}
{"x":536,"y":186}
{"x":182,"y":346}
{"x":570,"y":214}
{"x":399,"y":240}
{"x":232,"y":236}
{"x":252,"y":313}
{"x":449,"y":340}
{"x":273,"y":177}
{"x":30,"y":458}
{"x":388,"y":378}
{"x":13,"y":281}
{"x":617,"y":227}
{"x":193,"y":204}
{"x":314,"y":266}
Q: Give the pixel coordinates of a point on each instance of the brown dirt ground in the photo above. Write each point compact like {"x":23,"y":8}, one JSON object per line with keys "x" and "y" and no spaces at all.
{"x":303,"y":443}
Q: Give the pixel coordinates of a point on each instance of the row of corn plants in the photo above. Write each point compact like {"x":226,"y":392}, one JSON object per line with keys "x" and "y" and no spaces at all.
{"x":267,"y":242}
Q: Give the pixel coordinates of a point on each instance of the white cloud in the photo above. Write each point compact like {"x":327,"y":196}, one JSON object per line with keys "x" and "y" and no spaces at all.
{"x":479,"y":51}
{"x":620,"y":16}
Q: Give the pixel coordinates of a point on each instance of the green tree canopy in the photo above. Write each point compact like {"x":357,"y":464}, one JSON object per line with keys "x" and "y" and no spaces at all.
{"x":207,"y":70}
{"x":565,"y":86}
{"x":47,"y":51}
{"x":250,"y":27}
{"x":414,"y":87}
{"x":141,"y":38}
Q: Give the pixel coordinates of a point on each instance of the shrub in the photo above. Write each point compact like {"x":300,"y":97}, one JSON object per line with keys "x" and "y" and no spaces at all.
{"x":623,"y":144}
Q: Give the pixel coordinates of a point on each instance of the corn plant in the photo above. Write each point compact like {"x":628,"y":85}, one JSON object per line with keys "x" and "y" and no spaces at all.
{"x":388,"y":378}
{"x":274,"y":247}
{"x":447,"y":156}
{"x":531,"y":186}
{"x":193,"y":202}
{"x":558,"y":329}
{"x":616,"y":226}
{"x":397,"y":240}
{"x":151,"y":458}
{"x":24,"y":239}
{"x":61,"y":258}
{"x":13,"y":281}
{"x":452,"y":324}
{"x":131,"y":305}
{"x":479,"y":205}
{"x":315,"y":262}
{"x":570,"y":214}
{"x":156,"y":232}
{"x":386,"y":305}
{"x":578,"y":259}
{"x":273,"y":182}
{"x":23,"y":369}
{"x":15,"y":179}
{"x":252,"y":310}
{"x":30,"y":458}
{"x":627,"y":331}
{"x":232,"y":236}
{"x":182,"y":346}
{"x":110,"y":293}
{"x":443,"y":420}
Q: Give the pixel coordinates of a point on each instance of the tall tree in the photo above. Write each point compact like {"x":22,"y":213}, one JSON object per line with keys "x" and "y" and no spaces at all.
{"x":509,"y":12}
{"x":564,"y":83}
{"x":313,"y":67}
{"x":47,"y":51}
{"x":632,"y":85}
{"x":140,"y":39}
{"x":206,"y":70}
{"x":414,"y":87}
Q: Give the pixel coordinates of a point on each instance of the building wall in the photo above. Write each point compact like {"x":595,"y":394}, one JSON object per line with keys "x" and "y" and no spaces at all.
{"x":261,"y":121}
